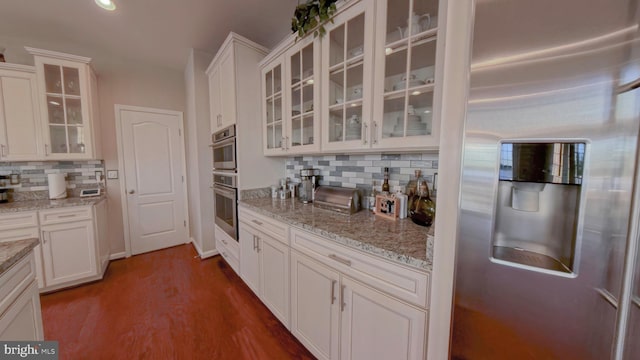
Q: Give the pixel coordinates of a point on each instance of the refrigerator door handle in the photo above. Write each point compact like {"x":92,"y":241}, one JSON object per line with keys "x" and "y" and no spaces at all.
{"x":636,"y":301}
{"x":607,"y":297}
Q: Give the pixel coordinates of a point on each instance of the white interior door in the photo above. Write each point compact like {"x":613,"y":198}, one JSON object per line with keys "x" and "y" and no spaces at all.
{"x":152,"y":157}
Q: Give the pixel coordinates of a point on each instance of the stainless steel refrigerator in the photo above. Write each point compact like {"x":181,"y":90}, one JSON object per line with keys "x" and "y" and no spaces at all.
{"x":547,"y":255}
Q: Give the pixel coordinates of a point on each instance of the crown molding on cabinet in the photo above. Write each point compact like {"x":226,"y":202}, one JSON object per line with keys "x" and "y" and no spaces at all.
{"x":57,"y":55}
{"x":238,"y":39}
{"x":17,"y":67}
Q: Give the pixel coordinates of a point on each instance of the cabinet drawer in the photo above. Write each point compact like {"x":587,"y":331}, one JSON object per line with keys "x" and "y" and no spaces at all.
{"x":57,"y":216}
{"x":230,"y":245}
{"x":18,"y":220}
{"x":399,"y":281}
{"x":228,"y":256}
{"x":19,"y":234}
{"x":269,"y":226}
{"x":15,"y":280}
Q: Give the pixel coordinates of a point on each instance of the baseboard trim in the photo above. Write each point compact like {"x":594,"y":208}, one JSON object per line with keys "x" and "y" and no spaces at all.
{"x":116,"y":256}
{"x":202,"y":254}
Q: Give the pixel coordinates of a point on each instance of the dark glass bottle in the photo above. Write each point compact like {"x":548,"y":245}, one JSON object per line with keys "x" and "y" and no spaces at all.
{"x":422,"y":209}
{"x":385,"y":184}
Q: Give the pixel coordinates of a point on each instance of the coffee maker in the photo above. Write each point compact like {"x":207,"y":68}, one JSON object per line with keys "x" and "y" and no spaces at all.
{"x":307,"y":186}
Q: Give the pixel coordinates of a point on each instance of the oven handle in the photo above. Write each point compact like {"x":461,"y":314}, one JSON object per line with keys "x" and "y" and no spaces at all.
{"x":223,"y":143}
{"x":224,"y":191}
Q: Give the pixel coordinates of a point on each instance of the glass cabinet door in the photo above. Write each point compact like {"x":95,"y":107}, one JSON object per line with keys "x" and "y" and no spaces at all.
{"x":64,"y":107}
{"x":302,"y":103}
{"x":273,"y":109}
{"x":347,"y":55}
{"x":409,"y":62}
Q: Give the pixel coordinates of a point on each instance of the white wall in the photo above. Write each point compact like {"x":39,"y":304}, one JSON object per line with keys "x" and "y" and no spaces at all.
{"x":199,"y":156}
{"x":136,"y":85}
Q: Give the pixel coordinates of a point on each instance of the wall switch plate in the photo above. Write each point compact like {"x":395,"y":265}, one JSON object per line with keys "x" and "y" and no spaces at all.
{"x":112,"y":174}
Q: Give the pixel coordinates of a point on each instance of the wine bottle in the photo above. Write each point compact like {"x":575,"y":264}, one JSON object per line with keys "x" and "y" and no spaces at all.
{"x":385,"y":184}
{"x":422,"y":210}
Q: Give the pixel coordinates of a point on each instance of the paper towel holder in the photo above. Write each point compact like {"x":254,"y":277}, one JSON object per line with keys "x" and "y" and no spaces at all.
{"x":57,"y":186}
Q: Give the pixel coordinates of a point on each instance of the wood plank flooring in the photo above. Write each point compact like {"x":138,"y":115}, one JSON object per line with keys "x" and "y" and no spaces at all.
{"x":166,"y":305}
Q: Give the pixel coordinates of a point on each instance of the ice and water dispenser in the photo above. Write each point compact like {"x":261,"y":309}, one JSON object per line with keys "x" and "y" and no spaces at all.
{"x":537,"y":212}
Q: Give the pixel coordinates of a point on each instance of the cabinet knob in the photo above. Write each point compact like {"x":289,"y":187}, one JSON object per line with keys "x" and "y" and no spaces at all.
{"x":131,"y":192}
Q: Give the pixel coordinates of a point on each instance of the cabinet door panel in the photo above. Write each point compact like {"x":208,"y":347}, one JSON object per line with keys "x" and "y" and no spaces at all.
{"x":315,"y":309}
{"x":250,"y":259}
{"x":228,"y":88}
{"x":23,"y":319}
{"x":68,"y":252}
{"x":376,"y":326}
{"x":19,"y":120}
{"x":214,"y":99}
{"x":275,"y":277}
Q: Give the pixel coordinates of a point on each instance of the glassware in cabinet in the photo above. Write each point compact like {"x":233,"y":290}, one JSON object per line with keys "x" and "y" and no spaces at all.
{"x":406,"y":86}
{"x":347,"y":60}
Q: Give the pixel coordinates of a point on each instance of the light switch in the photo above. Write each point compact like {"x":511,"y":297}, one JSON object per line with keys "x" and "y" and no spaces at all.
{"x":112,"y":174}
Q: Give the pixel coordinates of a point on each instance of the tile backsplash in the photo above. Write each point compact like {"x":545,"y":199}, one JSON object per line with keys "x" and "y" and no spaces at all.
{"x":33,"y":176}
{"x":360,"y":171}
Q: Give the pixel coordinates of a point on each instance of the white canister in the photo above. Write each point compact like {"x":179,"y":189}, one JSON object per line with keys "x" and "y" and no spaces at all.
{"x":274,"y":191}
{"x":403,"y":199}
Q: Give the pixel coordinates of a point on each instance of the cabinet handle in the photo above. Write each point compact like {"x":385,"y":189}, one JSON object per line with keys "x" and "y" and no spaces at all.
{"x":2,"y":154}
{"x":286,"y":143}
{"x":257,"y":243}
{"x":333,"y":290}
{"x":339,"y":259}
{"x":66,"y":216}
{"x":254,"y":243}
{"x":342,"y":302}
{"x":223,"y":241}
{"x":364,"y":133}
{"x":256,"y":222}
{"x":44,"y":239}
{"x":375,"y":132}
{"x":282,"y":143}
{"x":224,"y":254}
{"x":46,"y":149}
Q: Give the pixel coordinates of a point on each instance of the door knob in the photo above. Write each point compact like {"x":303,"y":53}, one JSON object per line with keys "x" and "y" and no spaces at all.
{"x":132,"y":191}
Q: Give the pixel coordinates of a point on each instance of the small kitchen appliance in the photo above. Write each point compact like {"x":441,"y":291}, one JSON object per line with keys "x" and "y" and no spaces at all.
{"x":308,"y":185}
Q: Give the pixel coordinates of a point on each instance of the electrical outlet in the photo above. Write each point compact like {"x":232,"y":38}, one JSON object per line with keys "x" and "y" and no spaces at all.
{"x":112,"y":174}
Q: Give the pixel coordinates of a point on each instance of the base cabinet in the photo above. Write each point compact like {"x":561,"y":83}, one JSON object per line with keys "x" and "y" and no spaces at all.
{"x":21,"y":317}
{"x":61,"y":240}
{"x":264,"y":267}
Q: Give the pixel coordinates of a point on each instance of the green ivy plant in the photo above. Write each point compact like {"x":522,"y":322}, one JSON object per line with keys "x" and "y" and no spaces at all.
{"x":311,"y":16}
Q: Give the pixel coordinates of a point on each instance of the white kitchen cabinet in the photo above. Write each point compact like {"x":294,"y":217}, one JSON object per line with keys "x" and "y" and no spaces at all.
{"x":69,"y":252}
{"x":315,"y":306}
{"x":19,"y":226}
{"x":406,"y":113}
{"x":20,"y":134}
{"x":377,"y":326}
{"x":68,"y":106}
{"x":21,"y":317}
{"x":226,"y":71}
{"x":347,"y":72}
{"x":291,"y":98}
{"x":264,"y":264}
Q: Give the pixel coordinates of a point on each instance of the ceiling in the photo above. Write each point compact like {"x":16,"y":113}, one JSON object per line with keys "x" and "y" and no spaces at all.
{"x":150,"y":32}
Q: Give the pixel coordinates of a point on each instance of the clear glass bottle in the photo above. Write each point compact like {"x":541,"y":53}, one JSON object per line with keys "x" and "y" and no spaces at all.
{"x":412,"y":184}
{"x":422,"y":210}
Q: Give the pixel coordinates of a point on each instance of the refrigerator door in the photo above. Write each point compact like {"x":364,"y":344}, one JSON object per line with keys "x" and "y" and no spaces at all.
{"x":545,"y":71}
{"x":632,"y":345}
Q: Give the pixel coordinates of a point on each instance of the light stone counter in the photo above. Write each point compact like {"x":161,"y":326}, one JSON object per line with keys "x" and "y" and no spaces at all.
{"x":13,"y":251}
{"x":48,"y":204}
{"x":401,"y":241}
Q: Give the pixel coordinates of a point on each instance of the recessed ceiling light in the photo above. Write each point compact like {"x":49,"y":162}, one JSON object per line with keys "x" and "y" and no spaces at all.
{"x":106,"y":4}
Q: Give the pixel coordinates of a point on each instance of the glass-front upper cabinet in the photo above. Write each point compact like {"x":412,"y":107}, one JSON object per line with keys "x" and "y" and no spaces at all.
{"x":347,"y":58}
{"x":405,"y":73}
{"x":303,"y":68}
{"x":272,"y":91}
{"x":68,"y":93}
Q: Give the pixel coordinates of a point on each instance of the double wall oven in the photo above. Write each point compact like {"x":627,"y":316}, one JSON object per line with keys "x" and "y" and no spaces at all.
{"x":225,"y":189}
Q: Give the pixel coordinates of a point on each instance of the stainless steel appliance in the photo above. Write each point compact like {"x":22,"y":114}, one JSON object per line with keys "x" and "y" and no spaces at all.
{"x":225,"y":194}
{"x":308,"y":184}
{"x":338,"y":199}
{"x":547,"y":255}
{"x":224,"y":149}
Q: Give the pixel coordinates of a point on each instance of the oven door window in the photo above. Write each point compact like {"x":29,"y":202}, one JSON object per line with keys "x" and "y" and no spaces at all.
{"x":226,"y":214}
{"x":224,"y":156}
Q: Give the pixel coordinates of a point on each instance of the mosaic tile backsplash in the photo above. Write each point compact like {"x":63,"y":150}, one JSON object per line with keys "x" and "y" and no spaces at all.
{"x":360,"y":171}
{"x":33,"y":176}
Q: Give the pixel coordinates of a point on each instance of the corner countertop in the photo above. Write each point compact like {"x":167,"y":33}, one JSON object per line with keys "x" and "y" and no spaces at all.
{"x":13,"y":251}
{"x":400,"y":241}
{"x":29,"y":205}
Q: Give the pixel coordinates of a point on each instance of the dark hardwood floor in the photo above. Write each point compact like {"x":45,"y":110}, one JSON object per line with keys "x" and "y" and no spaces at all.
{"x":166,"y":305}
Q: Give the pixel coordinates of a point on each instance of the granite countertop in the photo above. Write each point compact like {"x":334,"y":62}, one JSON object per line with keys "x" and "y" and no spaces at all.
{"x":49,"y":204}
{"x":401,"y":241}
{"x":13,"y":251}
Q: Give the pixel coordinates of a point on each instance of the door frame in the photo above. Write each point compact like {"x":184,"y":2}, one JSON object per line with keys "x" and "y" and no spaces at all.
{"x":122,"y":176}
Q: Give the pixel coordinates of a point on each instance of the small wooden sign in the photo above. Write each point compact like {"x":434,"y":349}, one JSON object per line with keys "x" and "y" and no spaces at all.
{"x":387,"y":206}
